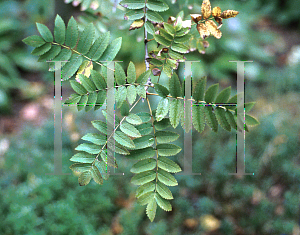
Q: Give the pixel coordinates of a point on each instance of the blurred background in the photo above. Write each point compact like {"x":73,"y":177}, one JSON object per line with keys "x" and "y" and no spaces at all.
{"x":267,"y":32}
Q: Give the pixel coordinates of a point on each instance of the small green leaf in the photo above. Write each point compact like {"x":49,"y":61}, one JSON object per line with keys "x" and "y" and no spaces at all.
{"x":168,"y":149}
{"x":59,"y":30}
{"x":249,"y":106}
{"x":141,"y":154}
{"x":131,"y":74}
{"x":102,"y":168}
{"x":134,"y":119}
{"x":143,"y":165}
{"x":143,"y":178}
{"x":221,"y":116}
{"x":131,"y":94}
{"x":123,"y":139}
{"x":182,"y":39}
{"x":143,"y":142}
{"x":156,"y":5}
{"x":83,"y":157}
{"x":99,"y":46}
{"x":151,"y":209}
{"x":146,"y":188}
{"x":86,"y":39}
{"x":166,"y":178}
{"x":154,"y":16}
{"x":161,"y":40}
{"x":77,"y":87}
{"x":251,"y":121}
{"x":49,"y":55}
{"x":42,"y":49}
{"x":170,"y":29}
{"x":34,"y":41}
{"x":163,"y":137}
{"x":64,"y":55}
{"x":96,"y":175}
{"x":81,"y":167}
{"x":146,"y":198}
{"x":112,"y":50}
{"x":181,"y":48}
{"x":161,"y":90}
{"x":142,"y":79}
{"x":145,"y":128}
{"x":97,"y":139}
{"x":163,"y":124}
{"x":166,"y":35}
{"x":71,"y":67}
{"x":210,"y":118}
{"x":162,"y":109}
{"x":167,"y":70}
{"x":168,"y":165}
{"x":89,"y":148}
{"x":82,"y":102}
{"x":72,"y":33}
{"x":101,"y":97}
{"x":73,"y":99}
{"x":149,"y":27}
{"x":223,"y":96}
{"x":141,"y":91}
{"x":230,"y":119}
{"x":164,"y":191}
{"x":135,"y":14}
{"x":124,"y":109}
{"x":163,"y":203}
{"x":132,"y":4}
{"x":199,"y":89}
{"x":129,"y":130}
{"x":211,"y":93}
{"x":198,"y":117}
{"x":175,"y":112}
{"x":87,"y":83}
{"x":121,"y":96}
{"x":100,"y":126}
{"x":98,"y":80}
{"x":119,"y":74}
{"x":84,"y":178}
{"x":45,"y":32}
{"x":145,"y":117}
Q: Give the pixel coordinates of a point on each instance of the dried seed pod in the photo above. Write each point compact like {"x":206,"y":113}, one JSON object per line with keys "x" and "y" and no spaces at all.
{"x":229,"y":14}
{"x":213,"y":29}
{"x":156,"y":72}
{"x":196,"y":17}
{"x":206,"y":9}
{"x":216,"y":12}
{"x":203,"y":30}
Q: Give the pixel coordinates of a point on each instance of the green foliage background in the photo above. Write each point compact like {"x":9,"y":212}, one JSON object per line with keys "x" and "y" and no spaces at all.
{"x":266,"y":203}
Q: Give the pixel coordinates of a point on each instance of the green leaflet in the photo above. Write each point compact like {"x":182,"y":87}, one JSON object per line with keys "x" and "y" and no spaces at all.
{"x":42,"y":49}
{"x":142,"y":79}
{"x":145,"y":128}
{"x":163,"y":124}
{"x":166,"y":178}
{"x":133,"y":119}
{"x":151,"y":209}
{"x":135,"y":14}
{"x":141,"y":154}
{"x":149,"y":27}
{"x":81,"y":167}
{"x":129,"y":130}
{"x":132,"y":4}
{"x":143,"y":165}
{"x":99,"y":46}
{"x":89,"y":148}
{"x":123,"y":139}
{"x":223,"y":96}
{"x":221,"y":116}
{"x":168,"y":149}
{"x":84,"y":178}
{"x":198,"y":117}
{"x":117,"y":148}
{"x":211,"y":93}
{"x":102,"y":169}
{"x":168,"y":165}
{"x":98,"y":80}
{"x":83,"y":157}
{"x":163,"y":203}
{"x":77,"y":87}
{"x":34,"y":41}
{"x":162,"y":40}
{"x":162,"y":109}
{"x":156,"y":5}
{"x":169,"y":28}
{"x":72,"y":33}
{"x":210,"y":118}
{"x":251,"y":121}
{"x":121,"y":96}
{"x":109,"y":160}
{"x":249,"y":106}
{"x":175,"y":112}
{"x":145,"y":117}
{"x":119,"y":74}
{"x":143,"y":142}
{"x":146,"y":198}
{"x":124,"y":109}
{"x":164,"y":191}
{"x":146,"y":188}
{"x":230,"y":119}
{"x":82,"y":102}
{"x":182,"y":39}
{"x":86,"y":39}
{"x":167,"y":70}
{"x":101,"y":97}
{"x":87,"y":83}
{"x":141,"y":91}
{"x":45,"y":32}
{"x":96,"y":175}
{"x":131,"y":74}
{"x":199,"y":89}
{"x":143,"y":178}
{"x":64,"y":55}
{"x":181,"y":48}
{"x":59,"y":30}
{"x":97,"y":139}
{"x":154,"y":16}
{"x":100,"y":126}
{"x":163,"y":137}
{"x":112,"y":50}
{"x":71,"y":67}
{"x":161,"y":90}
{"x":49,"y":55}
{"x":166,"y":35}
{"x":131,"y":94}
